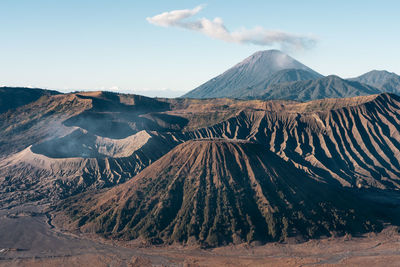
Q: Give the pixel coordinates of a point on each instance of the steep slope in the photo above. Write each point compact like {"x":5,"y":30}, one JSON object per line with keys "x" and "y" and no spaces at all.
{"x":14,"y":97}
{"x":327,"y":87}
{"x":383,"y":80}
{"x":352,"y":142}
{"x":217,"y":192}
{"x":254,"y":70}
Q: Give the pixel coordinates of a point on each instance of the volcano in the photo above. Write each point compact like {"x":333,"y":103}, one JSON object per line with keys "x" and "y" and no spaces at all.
{"x":247,"y":77}
{"x":217,"y":192}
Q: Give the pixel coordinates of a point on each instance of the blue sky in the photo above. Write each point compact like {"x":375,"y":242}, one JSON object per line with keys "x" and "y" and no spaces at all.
{"x":74,"y":45}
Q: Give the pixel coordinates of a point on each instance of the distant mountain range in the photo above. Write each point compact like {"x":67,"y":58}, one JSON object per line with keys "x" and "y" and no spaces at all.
{"x":272,"y":74}
{"x":383,"y":80}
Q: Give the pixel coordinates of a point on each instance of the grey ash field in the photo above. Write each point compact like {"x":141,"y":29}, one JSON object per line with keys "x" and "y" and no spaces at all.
{"x":238,"y":172}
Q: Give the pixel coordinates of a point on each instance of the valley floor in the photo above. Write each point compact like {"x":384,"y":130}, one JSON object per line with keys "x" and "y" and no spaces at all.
{"x":28,"y":238}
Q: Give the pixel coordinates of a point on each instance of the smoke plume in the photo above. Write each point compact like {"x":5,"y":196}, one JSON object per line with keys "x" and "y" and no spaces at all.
{"x":216,"y":29}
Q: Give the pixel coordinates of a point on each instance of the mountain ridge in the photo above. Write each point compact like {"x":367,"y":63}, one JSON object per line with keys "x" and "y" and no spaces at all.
{"x":384,"y":80}
{"x":331,"y":86}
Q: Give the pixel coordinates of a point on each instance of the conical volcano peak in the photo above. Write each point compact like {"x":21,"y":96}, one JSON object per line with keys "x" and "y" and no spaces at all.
{"x":265,"y":54}
{"x":253,"y":71}
{"x":270,"y":52}
{"x":272,"y":59}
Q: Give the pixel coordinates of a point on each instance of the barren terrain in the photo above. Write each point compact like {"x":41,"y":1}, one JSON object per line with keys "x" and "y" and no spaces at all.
{"x":207,"y":153}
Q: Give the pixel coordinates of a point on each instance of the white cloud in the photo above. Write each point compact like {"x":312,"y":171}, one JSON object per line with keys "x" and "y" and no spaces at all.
{"x":216,"y":29}
{"x":173,"y":18}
